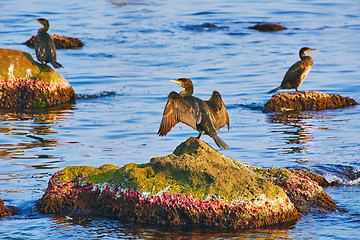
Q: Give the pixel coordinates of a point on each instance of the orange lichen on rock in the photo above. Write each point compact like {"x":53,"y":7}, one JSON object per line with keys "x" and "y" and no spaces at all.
{"x":315,"y":100}
{"x":61,"y":42}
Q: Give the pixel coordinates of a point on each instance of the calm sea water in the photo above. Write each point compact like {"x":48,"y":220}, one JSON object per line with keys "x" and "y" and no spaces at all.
{"x":134,"y":50}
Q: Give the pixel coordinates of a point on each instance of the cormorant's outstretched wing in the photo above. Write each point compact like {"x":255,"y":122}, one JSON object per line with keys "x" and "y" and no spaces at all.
{"x":218,"y":110}
{"x":177,"y":110}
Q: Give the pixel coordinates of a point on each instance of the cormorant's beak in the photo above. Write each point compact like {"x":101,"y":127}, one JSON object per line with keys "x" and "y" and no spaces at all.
{"x":313,"y":49}
{"x":175,"y":81}
{"x":35,"y":19}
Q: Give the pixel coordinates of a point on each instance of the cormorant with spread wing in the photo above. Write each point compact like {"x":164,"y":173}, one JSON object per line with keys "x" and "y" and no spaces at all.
{"x":203,"y":116}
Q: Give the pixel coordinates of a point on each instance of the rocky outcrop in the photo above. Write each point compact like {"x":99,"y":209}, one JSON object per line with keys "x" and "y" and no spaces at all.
{"x":268,"y":27}
{"x":25,"y":83}
{"x":315,"y":100}
{"x":61,"y":42}
{"x":196,"y":185}
{"x":302,"y":188}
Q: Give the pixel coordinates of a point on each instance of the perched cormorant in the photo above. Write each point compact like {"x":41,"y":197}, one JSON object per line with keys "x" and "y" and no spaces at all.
{"x":297,"y":72}
{"x":44,"y":46}
{"x":203,"y":116}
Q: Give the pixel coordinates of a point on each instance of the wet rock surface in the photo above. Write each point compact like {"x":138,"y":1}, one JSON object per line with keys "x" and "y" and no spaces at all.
{"x":4,"y":211}
{"x":268,"y":27}
{"x":196,"y":185}
{"x":303,"y":188}
{"x":7,"y":210}
{"x":61,"y":42}
{"x":25,"y":83}
{"x":314,"y":100}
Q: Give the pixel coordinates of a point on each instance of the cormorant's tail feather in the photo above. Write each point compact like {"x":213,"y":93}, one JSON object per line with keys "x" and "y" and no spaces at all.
{"x":220,"y":143}
{"x":56,"y":64}
{"x":274,"y":90}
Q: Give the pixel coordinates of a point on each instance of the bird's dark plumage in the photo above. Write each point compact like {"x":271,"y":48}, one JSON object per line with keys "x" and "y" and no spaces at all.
{"x":44,"y":46}
{"x":203,"y":116}
{"x":297,"y":72}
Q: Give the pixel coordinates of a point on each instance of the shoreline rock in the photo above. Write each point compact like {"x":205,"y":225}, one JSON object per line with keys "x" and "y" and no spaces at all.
{"x":314,"y":100}
{"x":25,"y":83}
{"x":196,"y":185}
{"x":61,"y":42}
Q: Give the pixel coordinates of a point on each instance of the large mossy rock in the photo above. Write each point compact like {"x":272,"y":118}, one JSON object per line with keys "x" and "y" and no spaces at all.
{"x":315,"y":100}
{"x":196,"y":185}
{"x":24,"y":83}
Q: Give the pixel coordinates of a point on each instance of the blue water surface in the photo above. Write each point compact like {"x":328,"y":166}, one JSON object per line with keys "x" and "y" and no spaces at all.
{"x":133,"y":49}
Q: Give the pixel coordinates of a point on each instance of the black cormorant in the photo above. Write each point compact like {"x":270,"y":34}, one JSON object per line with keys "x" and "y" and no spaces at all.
{"x":203,"y":116}
{"x":44,"y":46}
{"x":297,"y":72}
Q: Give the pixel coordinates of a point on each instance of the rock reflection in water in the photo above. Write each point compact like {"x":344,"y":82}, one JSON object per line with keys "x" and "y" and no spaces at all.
{"x":298,"y":135}
{"x":35,"y":125}
{"x":94,"y":227}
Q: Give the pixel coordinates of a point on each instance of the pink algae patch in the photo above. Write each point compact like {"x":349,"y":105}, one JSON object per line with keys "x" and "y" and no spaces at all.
{"x":29,"y":93}
{"x":164,"y":209}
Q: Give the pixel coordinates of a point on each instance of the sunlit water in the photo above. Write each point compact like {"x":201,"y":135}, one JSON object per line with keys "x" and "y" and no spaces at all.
{"x":133,"y":50}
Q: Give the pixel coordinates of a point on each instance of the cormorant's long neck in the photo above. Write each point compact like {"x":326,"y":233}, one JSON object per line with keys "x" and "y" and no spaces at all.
{"x":188,"y":91}
{"x":45,"y":28}
{"x":302,"y":56}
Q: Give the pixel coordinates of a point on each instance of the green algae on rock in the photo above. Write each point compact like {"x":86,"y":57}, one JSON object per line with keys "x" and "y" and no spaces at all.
{"x":196,"y":185}
{"x":24,"y":83}
{"x":314,"y":100}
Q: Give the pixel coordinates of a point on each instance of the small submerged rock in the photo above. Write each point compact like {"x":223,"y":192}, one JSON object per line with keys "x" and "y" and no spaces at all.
{"x":25,"y":83}
{"x":315,"y":100}
{"x":7,"y":210}
{"x":268,"y":27}
{"x":196,"y":185}
{"x":61,"y":42}
{"x":4,"y":211}
{"x":204,"y":27}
